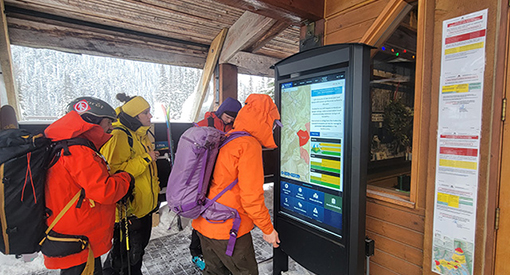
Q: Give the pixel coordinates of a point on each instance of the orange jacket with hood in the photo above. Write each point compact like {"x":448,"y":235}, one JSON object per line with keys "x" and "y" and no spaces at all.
{"x":83,"y":169}
{"x":241,"y":158}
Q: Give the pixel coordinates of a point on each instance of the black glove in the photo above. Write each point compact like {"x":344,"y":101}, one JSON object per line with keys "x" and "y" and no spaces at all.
{"x":129,"y":194}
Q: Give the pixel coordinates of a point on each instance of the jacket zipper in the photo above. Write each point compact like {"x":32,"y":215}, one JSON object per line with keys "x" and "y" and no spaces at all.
{"x":150,"y":173}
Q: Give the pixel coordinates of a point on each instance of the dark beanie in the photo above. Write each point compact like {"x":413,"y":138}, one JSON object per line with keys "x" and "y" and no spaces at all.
{"x":230,"y":106}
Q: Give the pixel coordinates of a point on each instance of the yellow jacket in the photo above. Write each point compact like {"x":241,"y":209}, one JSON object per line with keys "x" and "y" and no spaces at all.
{"x":136,"y":161}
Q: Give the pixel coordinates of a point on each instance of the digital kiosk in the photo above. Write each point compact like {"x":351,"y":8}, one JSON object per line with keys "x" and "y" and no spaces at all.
{"x":320,"y":193}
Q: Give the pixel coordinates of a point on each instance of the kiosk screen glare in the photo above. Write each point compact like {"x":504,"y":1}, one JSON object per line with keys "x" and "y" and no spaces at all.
{"x":312,"y":142}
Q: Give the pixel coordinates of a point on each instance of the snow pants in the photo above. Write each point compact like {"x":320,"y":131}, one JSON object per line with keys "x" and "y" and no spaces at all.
{"x":242,"y":261}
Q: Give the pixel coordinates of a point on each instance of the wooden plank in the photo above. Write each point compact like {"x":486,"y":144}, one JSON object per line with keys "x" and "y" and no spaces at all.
{"x":296,"y":11}
{"x":276,"y":29}
{"x":422,"y":101}
{"x":246,"y":31}
{"x":103,"y":43}
{"x":402,"y":218}
{"x":397,"y":249}
{"x":355,"y":16}
{"x":377,"y":269}
{"x":210,"y":64}
{"x":386,"y":23}
{"x":254,"y":64}
{"x":501,"y":88}
{"x":333,"y":7}
{"x":179,"y":23}
{"x":395,"y":264}
{"x":349,"y":34}
{"x":392,"y":231}
{"x":6,"y":63}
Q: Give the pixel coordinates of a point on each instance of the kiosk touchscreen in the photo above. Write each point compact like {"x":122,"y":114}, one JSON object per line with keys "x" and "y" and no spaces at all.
{"x":323,"y":97}
{"x":311,"y":172}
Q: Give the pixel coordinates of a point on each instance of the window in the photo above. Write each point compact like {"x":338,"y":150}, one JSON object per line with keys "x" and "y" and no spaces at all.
{"x":392,"y":97}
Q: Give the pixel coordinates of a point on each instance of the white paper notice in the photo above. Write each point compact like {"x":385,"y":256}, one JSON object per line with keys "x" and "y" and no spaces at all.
{"x":458,"y":146}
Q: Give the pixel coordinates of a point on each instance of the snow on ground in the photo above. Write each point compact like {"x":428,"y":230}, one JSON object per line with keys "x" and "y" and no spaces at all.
{"x":167,"y":252}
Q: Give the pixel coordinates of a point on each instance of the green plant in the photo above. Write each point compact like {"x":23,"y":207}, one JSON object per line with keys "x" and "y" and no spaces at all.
{"x":398,"y":120}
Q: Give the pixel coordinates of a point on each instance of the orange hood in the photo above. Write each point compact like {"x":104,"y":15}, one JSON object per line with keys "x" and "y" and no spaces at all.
{"x":72,"y":125}
{"x":257,"y":118}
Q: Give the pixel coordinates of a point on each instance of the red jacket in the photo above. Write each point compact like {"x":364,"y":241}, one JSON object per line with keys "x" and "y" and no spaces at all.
{"x":218,"y":123}
{"x":241,"y":158}
{"x":86,"y":169}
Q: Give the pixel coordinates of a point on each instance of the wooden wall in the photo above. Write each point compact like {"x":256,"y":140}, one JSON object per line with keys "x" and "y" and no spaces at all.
{"x":348,"y":21}
{"x":403,"y":232}
{"x":397,"y":228}
{"x":489,"y":159}
{"x":398,"y":235}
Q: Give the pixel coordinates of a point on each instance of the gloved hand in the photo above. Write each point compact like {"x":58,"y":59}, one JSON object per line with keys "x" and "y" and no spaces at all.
{"x":129,"y":194}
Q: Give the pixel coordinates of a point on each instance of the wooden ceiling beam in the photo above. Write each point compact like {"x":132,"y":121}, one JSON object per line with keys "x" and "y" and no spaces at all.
{"x":274,"y":31}
{"x":245,"y":32}
{"x":87,"y":40}
{"x":254,"y":64}
{"x":296,"y":11}
{"x":6,"y":62}
{"x":386,"y":23}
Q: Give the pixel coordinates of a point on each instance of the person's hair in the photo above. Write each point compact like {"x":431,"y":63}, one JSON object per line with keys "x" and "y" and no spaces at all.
{"x":122,"y":97}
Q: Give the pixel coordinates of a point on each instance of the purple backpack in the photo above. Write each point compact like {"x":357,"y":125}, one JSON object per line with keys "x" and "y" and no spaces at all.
{"x":189,"y":179}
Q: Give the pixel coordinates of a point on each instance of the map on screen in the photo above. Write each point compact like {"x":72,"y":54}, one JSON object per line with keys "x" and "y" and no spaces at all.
{"x":312,"y":112}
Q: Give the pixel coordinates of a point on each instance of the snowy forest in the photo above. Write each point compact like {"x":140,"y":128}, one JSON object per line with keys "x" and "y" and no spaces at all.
{"x":47,"y":80}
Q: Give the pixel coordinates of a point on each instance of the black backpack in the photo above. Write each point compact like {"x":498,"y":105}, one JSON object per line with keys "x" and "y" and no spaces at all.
{"x":24,"y":159}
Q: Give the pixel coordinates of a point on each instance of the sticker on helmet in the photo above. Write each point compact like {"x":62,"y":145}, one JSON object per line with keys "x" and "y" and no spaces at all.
{"x":81,"y":106}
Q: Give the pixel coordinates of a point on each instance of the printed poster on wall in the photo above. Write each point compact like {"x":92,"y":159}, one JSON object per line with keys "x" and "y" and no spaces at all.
{"x":458,"y":143}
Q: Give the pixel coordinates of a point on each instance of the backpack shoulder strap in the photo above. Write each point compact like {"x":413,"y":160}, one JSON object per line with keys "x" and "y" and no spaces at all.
{"x":233,"y":136}
{"x":129,"y":136}
{"x":210,"y":121}
{"x":63,"y":145}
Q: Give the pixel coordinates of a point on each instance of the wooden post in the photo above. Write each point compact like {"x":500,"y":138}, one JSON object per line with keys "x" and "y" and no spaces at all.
{"x":227,"y":81}
{"x":6,"y":62}
{"x":210,"y":63}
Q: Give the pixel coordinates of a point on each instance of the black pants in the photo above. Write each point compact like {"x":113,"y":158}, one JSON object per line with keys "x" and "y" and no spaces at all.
{"x":77,"y":270}
{"x":139,"y":235}
{"x":195,"y":248}
{"x":242,"y":261}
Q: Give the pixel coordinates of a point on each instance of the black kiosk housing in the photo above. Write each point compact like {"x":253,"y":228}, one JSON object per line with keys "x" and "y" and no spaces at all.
{"x":320,"y":189}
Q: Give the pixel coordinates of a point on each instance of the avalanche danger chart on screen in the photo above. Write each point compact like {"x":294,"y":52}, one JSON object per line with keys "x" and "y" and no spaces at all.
{"x":312,"y":112}
{"x":312,"y":115}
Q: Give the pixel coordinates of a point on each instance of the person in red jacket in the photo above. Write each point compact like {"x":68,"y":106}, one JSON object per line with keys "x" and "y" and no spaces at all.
{"x":223,"y":118}
{"x":241,"y":159}
{"x":83,"y":168}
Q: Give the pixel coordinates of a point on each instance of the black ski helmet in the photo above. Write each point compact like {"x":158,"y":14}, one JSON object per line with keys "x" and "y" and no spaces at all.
{"x":92,"y":109}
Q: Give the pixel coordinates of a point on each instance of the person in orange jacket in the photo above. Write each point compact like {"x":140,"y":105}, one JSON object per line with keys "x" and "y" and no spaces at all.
{"x":223,"y":118}
{"x":241,"y":158}
{"x":85,"y":169}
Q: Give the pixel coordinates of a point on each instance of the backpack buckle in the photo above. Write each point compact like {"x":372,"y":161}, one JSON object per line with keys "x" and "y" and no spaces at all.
{"x":233,"y":233}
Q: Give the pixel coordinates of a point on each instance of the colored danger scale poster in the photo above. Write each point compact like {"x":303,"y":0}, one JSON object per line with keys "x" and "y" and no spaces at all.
{"x":312,"y":113}
{"x":458,"y":143}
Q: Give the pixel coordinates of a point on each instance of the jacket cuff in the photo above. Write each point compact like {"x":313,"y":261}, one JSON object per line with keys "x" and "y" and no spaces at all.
{"x":267,"y":229}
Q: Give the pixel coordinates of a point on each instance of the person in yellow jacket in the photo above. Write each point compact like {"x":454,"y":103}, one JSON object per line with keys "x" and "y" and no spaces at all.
{"x":131,"y":150}
{"x":241,"y":159}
